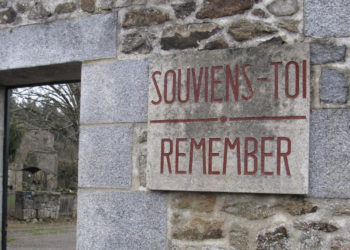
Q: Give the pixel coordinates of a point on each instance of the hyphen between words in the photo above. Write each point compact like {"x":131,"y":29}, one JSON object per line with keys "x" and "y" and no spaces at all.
{"x":173,"y":90}
{"x":203,"y":85}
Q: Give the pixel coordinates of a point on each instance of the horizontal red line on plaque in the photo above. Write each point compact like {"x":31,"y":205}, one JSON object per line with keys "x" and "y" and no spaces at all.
{"x":262,"y":79}
{"x":267,"y":118}
{"x":185,"y":120}
{"x":230,"y":119}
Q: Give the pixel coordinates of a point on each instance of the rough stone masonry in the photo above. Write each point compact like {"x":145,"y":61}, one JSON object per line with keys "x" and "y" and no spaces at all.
{"x":113,"y":42}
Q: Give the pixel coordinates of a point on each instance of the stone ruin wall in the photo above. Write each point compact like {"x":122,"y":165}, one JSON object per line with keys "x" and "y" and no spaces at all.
{"x":320,"y":220}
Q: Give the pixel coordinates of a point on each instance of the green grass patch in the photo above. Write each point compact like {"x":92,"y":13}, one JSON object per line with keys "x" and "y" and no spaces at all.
{"x":10,"y":240}
{"x":46,"y":231}
{"x":41,"y":230}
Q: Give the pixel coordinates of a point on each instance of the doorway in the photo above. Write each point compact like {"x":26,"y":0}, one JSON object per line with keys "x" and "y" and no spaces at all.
{"x":40,"y":166}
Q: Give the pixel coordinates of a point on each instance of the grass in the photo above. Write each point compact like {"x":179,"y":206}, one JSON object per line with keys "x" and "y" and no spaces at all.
{"x":10,"y":240}
{"x":41,"y":231}
{"x":37,"y":230}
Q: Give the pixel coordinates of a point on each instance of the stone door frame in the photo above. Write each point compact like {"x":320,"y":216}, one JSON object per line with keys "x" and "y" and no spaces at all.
{"x":50,"y":53}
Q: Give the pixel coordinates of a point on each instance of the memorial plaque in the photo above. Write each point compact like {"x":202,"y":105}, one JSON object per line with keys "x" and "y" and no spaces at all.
{"x":234,"y":120}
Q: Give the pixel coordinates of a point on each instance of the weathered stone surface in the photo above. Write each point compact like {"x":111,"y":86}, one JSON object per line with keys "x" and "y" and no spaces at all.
{"x":63,"y":8}
{"x":121,"y":95}
{"x":139,"y":153}
{"x":290,"y":25}
{"x":298,"y":206}
{"x":137,"y":42}
{"x":142,"y":137}
{"x":260,"y":13}
{"x":220,"y":8}
{"x":142,"y":165}
{"x":21,"y":8}
{"x":243,"y":30}
{"x":274,"y":41}
{"x":126,"y":3}
{"x":157,"y":1}
{"x":216,"y":44}
{"x":199,"y":229}
{"x":324,"y":18}
{"x":184,"y":10}
{"x":238,"y":237}
{"x":58,"y":42}
{"x":334,"y":87}
{"x":115,"y":220}
{"x":38,"y":11}
{"x":329,"y":162}
{"x":88,"y":5}
{"x":283,"y":7}
{"x":105,"y":4}
{"x":319,"y":226}
{"x":190,"y":246}
{"x":3,"y":3}
{"x":339,"y":243}
{"x":250,"y":210}
{"x":322,"y":53}
{"x":187,"y":35}
{"x":105,"y":160}
{"x":276,"y":239}
{"x":7,"y":16}
{"x":196,"y":120}
{"x":311,"y":240}
{"x":195,"y":202}
{"x":144,"y":17}
{"x":341,"y":210}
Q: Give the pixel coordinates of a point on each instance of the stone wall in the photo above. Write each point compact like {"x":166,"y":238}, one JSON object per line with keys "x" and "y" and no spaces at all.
{"x":44,"y":205}
{"x":115,"y":209}
{"x":37,"y":205}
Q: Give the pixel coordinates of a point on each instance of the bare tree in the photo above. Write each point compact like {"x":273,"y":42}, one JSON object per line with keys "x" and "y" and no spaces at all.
{"x":51,"y":107}
{"x":54,"y":108}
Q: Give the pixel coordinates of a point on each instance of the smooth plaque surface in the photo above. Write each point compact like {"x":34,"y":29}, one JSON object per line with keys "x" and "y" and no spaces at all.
{"x":234,"y":120}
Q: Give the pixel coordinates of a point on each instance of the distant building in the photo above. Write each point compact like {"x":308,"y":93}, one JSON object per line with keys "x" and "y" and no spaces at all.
{"x":35,"y":164}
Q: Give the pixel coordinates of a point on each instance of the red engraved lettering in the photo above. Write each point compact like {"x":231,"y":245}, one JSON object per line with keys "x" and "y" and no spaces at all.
{"x":206,"y":79}
{"x":251,"y":93}
{"x":165,"y":155}
{"x":157,"y":88}
{"x":304,"y":79}
{"x":166,"y":87}
{"x":232,"y":146}
{"x":197,"y":85}
{"x":187,"y":86}
{"x":213,"y":83}
{"x":234,"y":84}
{"x":178,"y":154}
{"x":276,"y":64}
{"x":251,"y":154}
{"x":264,"y":154}
{"x":283,"y":155}
{"x":211,"y":155}
{"x":296,"y":79}
{"x":198,"y":146}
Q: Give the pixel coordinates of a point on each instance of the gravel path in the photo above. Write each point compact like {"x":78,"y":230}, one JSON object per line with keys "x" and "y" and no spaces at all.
{"x":52,"y":236}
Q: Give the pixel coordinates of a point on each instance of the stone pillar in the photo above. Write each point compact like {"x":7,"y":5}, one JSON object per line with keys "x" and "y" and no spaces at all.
{"x":113,"y":211}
